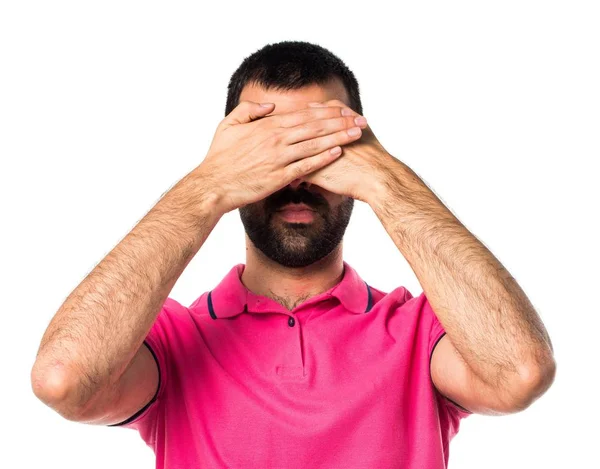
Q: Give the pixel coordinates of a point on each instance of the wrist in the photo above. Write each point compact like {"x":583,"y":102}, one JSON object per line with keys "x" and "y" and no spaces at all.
{"x":197,"y":197}
{"x":390,"y":182}
{"x":402,"y":192}
{"x":208,"y":191}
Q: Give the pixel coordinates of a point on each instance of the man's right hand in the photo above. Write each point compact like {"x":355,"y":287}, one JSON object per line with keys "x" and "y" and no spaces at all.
{"x":252,"y":156}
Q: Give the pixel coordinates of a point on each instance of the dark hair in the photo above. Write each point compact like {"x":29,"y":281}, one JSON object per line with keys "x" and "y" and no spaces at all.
{"x":290,"y":65}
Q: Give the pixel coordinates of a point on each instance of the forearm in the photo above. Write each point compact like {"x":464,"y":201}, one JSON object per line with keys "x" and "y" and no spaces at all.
{"x":103,"y":322}
{"x":488,"y":317}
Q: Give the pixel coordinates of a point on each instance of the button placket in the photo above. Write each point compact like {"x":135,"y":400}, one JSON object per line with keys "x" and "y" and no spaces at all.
{"x":292,"y":369}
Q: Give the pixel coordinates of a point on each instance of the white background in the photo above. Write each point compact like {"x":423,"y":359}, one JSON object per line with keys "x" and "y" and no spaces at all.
{"x":105,"y":105}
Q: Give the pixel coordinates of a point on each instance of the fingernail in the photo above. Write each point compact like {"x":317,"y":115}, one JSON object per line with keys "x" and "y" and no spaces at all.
{"x":347,"y":112}
{"x":360,"y":120}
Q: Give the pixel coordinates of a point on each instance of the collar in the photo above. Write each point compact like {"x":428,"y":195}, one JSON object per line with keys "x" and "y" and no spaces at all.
{"x":231,"y":297}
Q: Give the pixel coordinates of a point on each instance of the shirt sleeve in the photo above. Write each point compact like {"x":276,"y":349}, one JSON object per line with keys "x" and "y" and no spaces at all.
{"x":157,"y":341}
{"x":436,"y":332}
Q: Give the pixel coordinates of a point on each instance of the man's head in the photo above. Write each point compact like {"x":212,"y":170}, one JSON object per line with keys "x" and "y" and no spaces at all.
{"x":292,"y":74}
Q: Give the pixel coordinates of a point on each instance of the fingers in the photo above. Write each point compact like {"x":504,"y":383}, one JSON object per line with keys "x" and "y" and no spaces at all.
{"x":302,"y":116}
{"x":247,"y":111}
{"x":314,"y":146}
{"x":321,"y":127}
{"x":335,"y":102}
{"x":304,"y":166}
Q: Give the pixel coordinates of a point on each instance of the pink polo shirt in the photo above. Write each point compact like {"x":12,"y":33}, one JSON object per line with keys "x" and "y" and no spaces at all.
{"x":342,"y":381}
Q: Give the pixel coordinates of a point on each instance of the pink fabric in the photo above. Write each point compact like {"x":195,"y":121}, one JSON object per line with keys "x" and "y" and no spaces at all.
{"x":339,"y":388}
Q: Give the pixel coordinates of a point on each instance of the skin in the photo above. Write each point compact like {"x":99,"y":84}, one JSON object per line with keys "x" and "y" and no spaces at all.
{"x":91,"y":366}
{"x":262,"y":275}
{"x":496,"y":357}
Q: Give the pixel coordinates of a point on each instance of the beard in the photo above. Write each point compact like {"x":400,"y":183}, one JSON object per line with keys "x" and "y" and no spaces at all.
{"x":296,"y":244}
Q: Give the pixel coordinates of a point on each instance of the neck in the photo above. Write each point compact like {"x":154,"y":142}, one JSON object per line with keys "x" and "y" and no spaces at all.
{"x":290,"y":286}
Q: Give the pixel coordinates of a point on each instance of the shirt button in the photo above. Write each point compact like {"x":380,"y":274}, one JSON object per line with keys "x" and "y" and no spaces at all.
{"x":291,"y":321}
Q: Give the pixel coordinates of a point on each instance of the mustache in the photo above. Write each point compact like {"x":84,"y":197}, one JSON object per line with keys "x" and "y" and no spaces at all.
{"x":297,"y":196}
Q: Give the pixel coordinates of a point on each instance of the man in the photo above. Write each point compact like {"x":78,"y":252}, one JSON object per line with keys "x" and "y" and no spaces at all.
{"x":293,"y":360}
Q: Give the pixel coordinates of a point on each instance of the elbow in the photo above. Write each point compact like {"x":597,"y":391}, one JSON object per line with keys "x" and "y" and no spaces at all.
{"x":54,"y":389}
{"x":534,"y":381}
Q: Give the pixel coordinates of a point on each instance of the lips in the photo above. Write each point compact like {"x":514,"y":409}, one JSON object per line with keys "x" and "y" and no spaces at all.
{"x":297,"y":213}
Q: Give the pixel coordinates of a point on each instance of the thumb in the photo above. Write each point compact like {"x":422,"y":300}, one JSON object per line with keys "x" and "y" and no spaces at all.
{"x":247,"y":111}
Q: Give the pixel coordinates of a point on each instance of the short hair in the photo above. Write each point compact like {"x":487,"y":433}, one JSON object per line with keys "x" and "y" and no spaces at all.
{"x":290,"y":65}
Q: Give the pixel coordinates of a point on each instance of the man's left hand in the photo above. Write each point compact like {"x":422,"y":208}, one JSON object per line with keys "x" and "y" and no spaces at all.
{"x":361,"y":169}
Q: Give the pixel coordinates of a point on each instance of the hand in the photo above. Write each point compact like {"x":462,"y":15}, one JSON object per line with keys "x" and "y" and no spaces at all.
{"x":358,"y":173}
{"x":253,"y":155}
